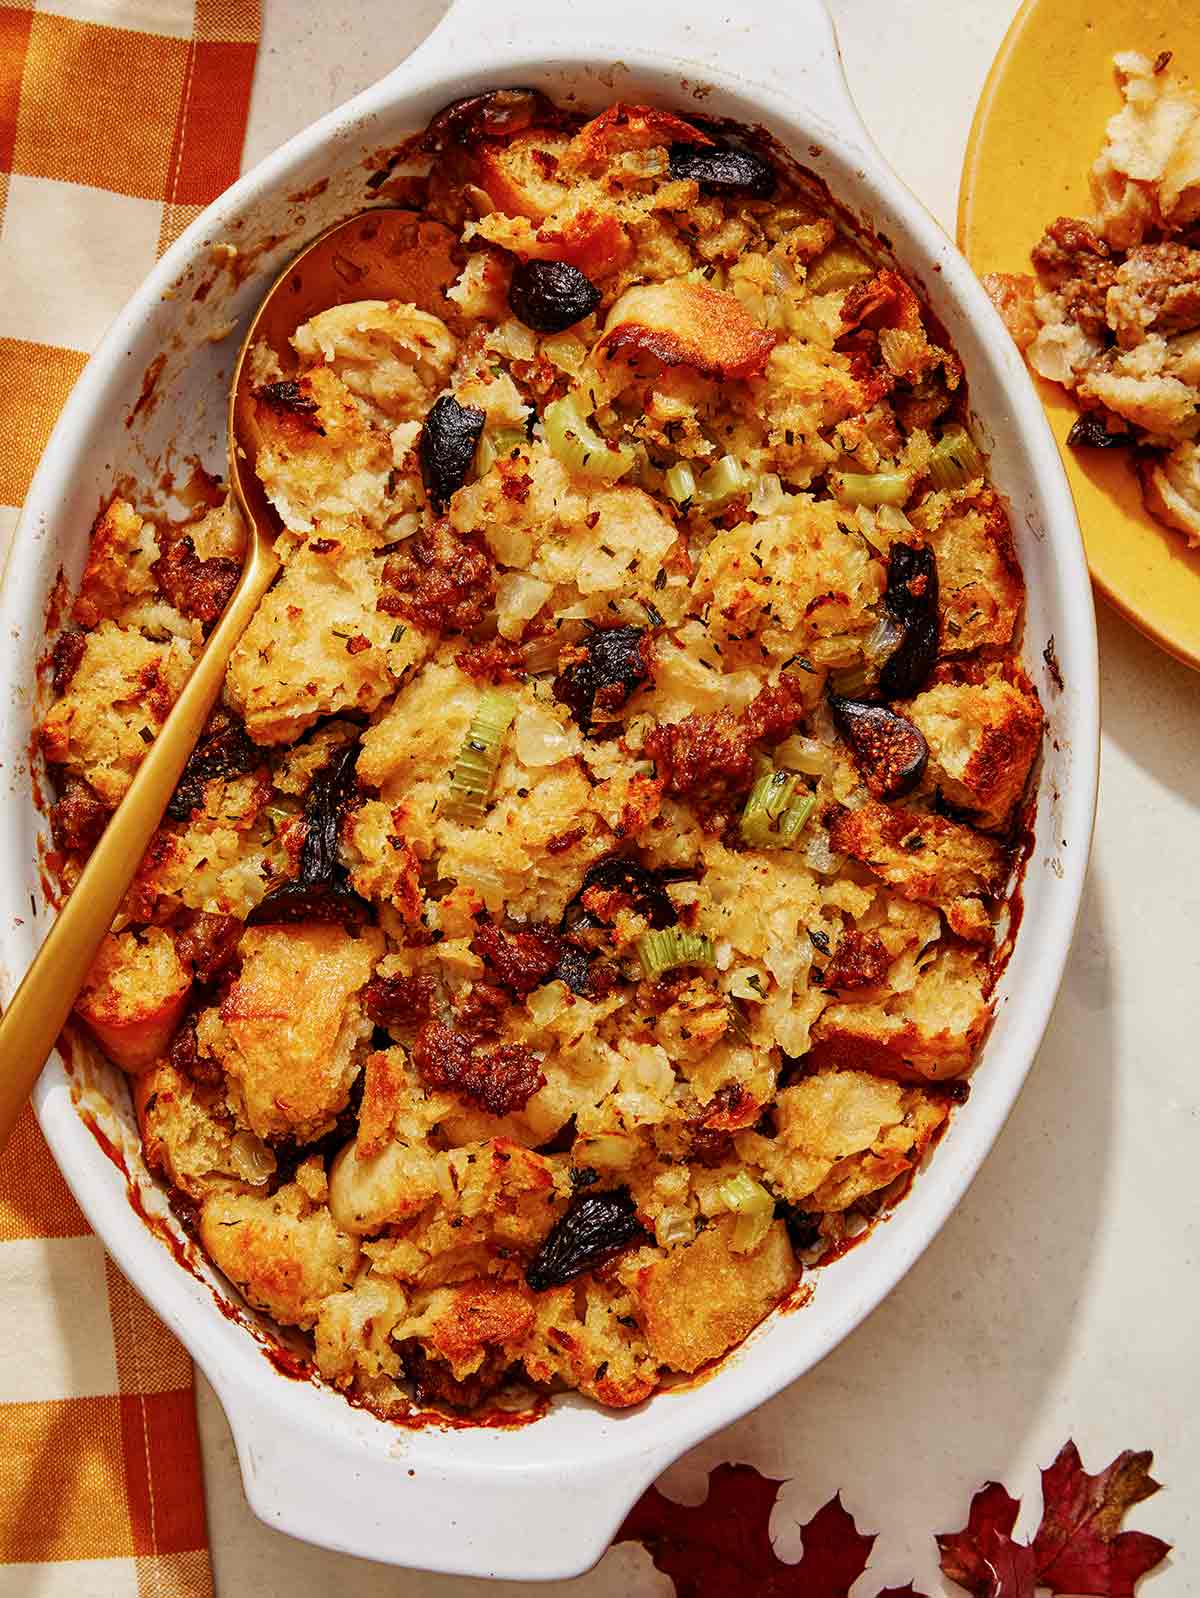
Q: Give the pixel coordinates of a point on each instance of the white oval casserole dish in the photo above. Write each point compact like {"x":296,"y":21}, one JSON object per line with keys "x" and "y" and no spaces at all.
{"x":542,"y":1501}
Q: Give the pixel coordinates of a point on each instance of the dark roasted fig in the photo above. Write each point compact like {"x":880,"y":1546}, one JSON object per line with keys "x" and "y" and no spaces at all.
{"x":803,"y":1226}
{"x":496,"y":115}
{"x":723,"y":169}
{"x":912,"y":600}
{"x":888,"y":750}
{"x":224,"y":751}
{"x":320,"y":891}
{"x":617,"y":874}
{"x":1090,"y":431}
{"x":594,"y":1228}
{"x":551,"y":296}
{"x":602,"y":671}
{"x":446,"y":447}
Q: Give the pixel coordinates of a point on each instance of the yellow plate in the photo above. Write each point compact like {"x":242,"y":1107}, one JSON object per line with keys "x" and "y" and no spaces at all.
{"x":1038,"y":127}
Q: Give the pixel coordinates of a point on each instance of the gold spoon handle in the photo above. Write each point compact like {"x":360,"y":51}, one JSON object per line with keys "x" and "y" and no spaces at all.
{"x":33,"y":1020}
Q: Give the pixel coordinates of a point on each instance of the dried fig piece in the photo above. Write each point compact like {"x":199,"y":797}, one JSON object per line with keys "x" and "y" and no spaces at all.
{"x":888,"y":750}
{"x":1090,"y":431}
{"x":912,"y":599}
{"x":321,"y":891}
{"x":446,"y":447}
{"x":594,"y":1228}
{"x":608,"y":665}
{"x":224,"y":751}
{"x":620,"y":875}
{"x":551,"y":296}
{"x":723,"y":169}
{"x":496,"y":115}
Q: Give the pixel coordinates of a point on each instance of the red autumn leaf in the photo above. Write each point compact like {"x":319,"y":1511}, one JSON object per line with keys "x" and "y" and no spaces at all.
{"x":723,"y":1545}
{"x":1080,"y":1547}
{"x":968,"y":1556}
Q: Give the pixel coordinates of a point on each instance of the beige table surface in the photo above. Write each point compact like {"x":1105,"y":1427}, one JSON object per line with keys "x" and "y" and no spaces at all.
{"x":1062,"y":1298}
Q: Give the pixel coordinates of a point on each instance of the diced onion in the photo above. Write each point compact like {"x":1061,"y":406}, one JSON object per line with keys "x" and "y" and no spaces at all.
{"x":680,"y":483}
{"x":663,"y":951}
{"x":539,"y":739}
{"x":605,"y":1151}
{"x":819,"y":857}
{"x":955,"y":459}
{"x":575,"y":442}
{"x":519,"y":597}
{"x":754,"y":1208}
{"x":808,"y":755}
{"x":673,"y":1227}
{"x":882,"y":639}
{"x":871,"y":488}
{"x":838,"y":267}
{"x":768,"y":495}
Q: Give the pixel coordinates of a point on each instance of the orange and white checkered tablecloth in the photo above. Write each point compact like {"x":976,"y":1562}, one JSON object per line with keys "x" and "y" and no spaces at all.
{"x":119,"y":121}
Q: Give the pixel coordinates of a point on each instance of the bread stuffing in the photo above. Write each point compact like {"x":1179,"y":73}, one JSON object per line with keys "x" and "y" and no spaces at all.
{"x":578,"y":917}
{"x":1112,"y":312}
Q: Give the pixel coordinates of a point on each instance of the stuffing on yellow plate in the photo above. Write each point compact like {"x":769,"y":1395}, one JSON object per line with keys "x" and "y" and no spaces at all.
{"x":578,"y":918}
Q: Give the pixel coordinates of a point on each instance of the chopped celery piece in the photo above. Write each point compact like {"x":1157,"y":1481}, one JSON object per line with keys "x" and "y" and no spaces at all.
{"x":769,"y":797}
{"x":872,"y":488}
{"x":471,"y":781}
{"x":680,"y":483}
{"x":508,"y":439}
{"x":839,"y":267}
{"x":955,"y":460}
{"x":722,"y":482}
{"x":576,"y":443}
{"x":754,"y":1208}
{"x":663,"y":951}
{"x":485,"y":455}
{"x":791,"y":822}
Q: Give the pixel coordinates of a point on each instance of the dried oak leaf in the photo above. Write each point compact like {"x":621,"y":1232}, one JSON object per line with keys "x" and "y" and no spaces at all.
{"x":1079,"y":1548}
{"x":724,"y":1544}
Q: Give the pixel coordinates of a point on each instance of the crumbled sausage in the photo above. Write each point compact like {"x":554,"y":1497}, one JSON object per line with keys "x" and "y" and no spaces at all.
{"x":710,"y":756}
{"x":500,"y":1078}
{"x":79,"y":817}
{"x":521,"y":960}
{"x":494,"y":660}
{"x":198,"y":588}
{"x":1072,"y":258}
{"x":440,"y":580}
{"x":400,"y":1000}
{"x":188,"y":1061}
{"x":66,"y":655}
{"x":433,"y":1382}
{"x":859,"y":961}
{"x":209,"y":944}
{"x":478,"y":1008}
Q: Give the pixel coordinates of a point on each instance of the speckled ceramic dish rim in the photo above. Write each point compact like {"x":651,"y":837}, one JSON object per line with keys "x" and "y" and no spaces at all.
{"x":542,"y":1501}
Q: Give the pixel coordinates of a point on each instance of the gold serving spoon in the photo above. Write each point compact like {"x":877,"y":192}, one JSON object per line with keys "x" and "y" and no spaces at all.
{"x":386,"y":254}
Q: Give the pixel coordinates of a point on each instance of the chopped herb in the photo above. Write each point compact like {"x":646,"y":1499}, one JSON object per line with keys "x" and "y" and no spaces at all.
{"x":660,"y":582}
{"x":398,"y":632}
{"x":653,"y":614}
{"x":819,"y":940}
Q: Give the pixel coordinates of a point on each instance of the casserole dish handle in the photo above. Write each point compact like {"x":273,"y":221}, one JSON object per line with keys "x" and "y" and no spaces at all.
{"x":497,"y":1515}
{"x":790,"y":49}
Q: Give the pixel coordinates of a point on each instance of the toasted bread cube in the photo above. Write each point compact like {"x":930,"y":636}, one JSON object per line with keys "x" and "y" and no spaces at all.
{"x":982,"y":737}
{"x":681,"y":323}
{"x":393,"y":358}
{"x":283,"y":1255}
{"x":318,"y":646}
{"x":703,"y":1299}
{"x":926,"y":857}
{"x":353,"y":1334}
{"x":118,"y":572}
{"x":932,"y":1031}
{"x":462,"y":1323}
{"x":981,"y":588}
{"x":189,"y":1138}
{"x":288,"y":1031}
{"x":518,"y":174}
{"x":134,"y":996}
{"x":118,"y":699}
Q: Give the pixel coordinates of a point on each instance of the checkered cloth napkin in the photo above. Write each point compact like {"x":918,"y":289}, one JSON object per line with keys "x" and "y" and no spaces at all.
{"x":119,"y":121}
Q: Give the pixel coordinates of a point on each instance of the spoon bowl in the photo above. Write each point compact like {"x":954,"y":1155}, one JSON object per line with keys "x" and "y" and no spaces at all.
{"x":385,"y":253}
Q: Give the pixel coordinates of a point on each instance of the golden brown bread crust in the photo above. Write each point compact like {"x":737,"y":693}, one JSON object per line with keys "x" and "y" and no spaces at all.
{"x":686,"y":324}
